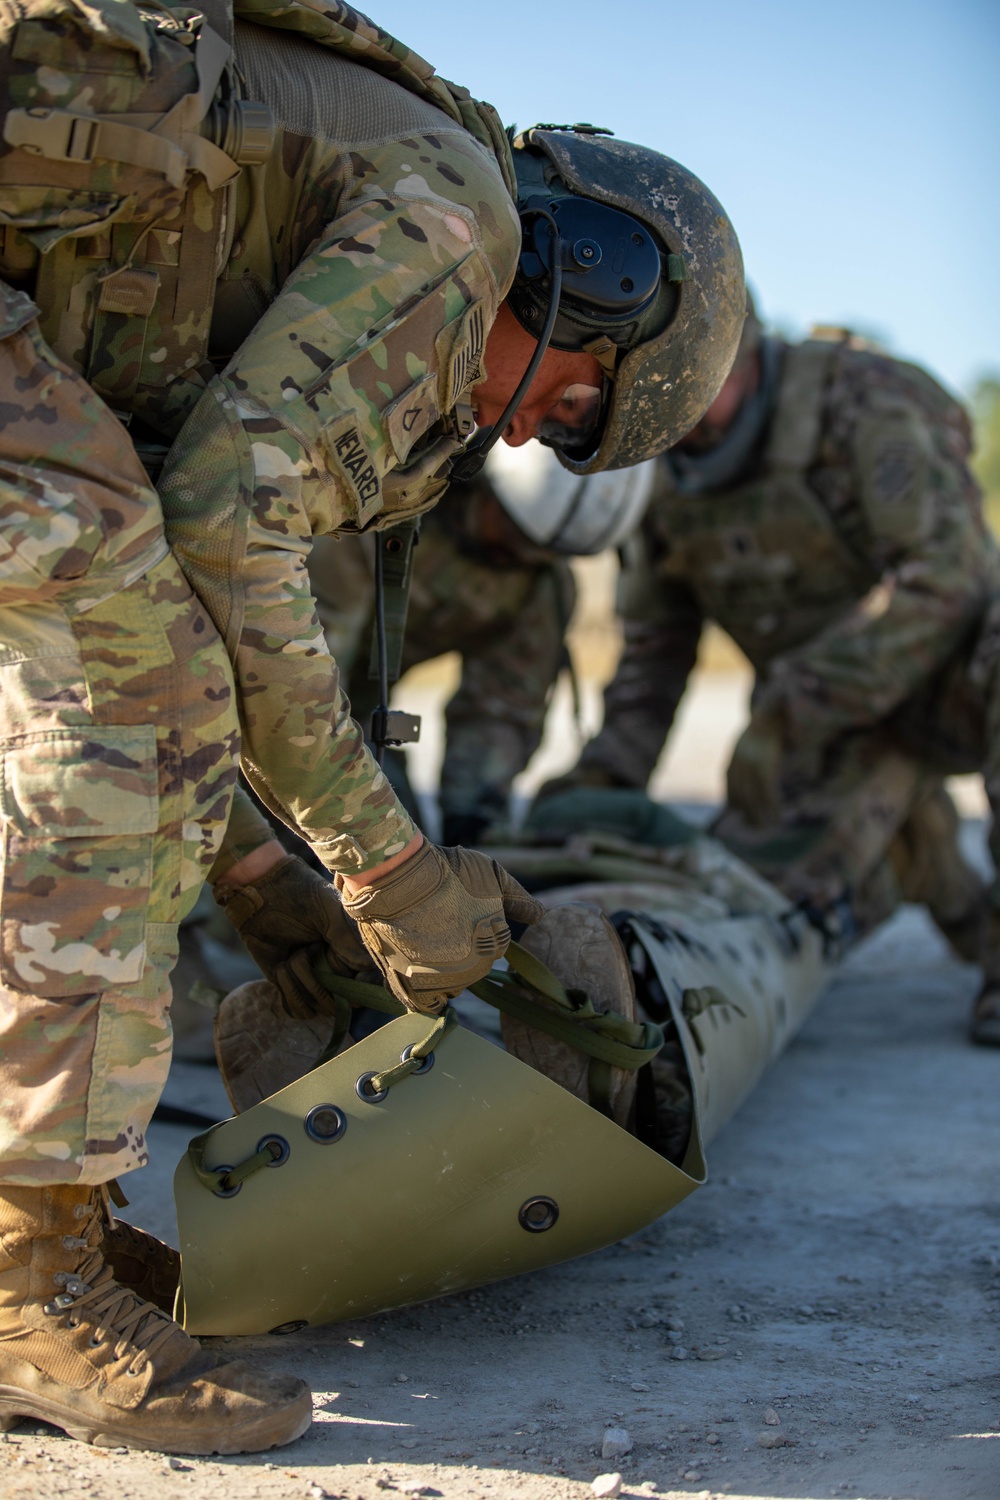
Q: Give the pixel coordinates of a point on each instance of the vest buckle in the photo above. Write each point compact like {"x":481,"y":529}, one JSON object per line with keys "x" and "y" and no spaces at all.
{"x":56,"y":134}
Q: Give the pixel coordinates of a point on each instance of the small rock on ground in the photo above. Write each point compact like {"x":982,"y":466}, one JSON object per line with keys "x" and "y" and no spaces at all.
{"x":616,"y":1443}
{"x":607,"y":1486}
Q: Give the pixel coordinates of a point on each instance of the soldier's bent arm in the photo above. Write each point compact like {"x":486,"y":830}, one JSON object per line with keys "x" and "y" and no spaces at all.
{"x":662,"y":625}
{"x":334,"y":415}
{"x":496,"y":717}
{"x":917,"y":514}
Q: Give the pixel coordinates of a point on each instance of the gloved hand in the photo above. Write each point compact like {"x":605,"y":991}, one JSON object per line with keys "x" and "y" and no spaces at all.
{"x":285,"y":918}
{"x":753,"y":780}
{"x":438,"y":922}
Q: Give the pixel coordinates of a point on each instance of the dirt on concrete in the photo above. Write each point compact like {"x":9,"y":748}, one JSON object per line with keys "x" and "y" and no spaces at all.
{"x":820,"y":1320}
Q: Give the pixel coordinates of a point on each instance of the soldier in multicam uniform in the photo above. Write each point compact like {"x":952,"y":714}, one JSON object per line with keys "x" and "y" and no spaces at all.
{"x":824,"y":515}
{"x":491,"y":581}
{"x":298,"y":317}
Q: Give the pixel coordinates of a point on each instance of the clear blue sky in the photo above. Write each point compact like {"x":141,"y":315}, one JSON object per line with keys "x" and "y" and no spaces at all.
{"x":856,"y":146}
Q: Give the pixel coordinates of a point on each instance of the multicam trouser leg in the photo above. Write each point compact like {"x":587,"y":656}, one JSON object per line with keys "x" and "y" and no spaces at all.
{"x":878,"y":824}
{"x":119,"y":747}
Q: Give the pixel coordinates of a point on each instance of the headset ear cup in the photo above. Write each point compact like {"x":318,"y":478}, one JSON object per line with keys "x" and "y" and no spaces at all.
{"x":613,"y":274}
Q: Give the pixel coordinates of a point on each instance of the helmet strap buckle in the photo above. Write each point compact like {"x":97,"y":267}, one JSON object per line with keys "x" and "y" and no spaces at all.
{"x":605,"y":352}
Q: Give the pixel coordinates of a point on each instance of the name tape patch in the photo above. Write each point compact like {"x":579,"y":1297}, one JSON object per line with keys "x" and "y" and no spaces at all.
{"x":351,"y":458}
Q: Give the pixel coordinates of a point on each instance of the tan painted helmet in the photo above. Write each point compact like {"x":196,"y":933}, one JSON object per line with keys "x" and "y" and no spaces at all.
{"x":662,"y":312}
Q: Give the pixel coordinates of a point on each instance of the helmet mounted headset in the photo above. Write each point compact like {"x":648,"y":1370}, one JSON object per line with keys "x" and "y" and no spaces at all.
{"x":628,"y":257}
{"x":590,"y":279}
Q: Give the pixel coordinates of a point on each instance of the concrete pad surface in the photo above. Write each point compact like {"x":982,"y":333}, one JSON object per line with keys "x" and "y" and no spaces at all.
{"x":819,"y":1321}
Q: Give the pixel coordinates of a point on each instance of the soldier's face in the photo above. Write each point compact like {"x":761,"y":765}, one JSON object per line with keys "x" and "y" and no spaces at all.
{"x":740,"y":383}
{"x":557,"y":395}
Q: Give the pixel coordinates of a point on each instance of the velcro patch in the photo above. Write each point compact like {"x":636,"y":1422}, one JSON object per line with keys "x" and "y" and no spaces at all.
{"x":128,"y":291}
{"x":894,"y":470}
{"x":410,"y":415}
{"x":893,"y":463}
{"x":349,"y":457}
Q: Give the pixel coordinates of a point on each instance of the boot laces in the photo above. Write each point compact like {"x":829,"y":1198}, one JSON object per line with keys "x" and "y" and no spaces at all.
{"x":90,"y":1293}
{"x":138,"y":1242}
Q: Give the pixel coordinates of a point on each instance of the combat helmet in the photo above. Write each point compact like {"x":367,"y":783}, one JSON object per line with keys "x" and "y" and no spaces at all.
{"x":651,"y":284}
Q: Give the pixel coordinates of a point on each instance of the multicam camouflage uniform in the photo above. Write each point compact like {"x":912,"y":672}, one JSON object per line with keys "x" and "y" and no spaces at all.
{"x":481,"y":588}
{"x":334,"y":412}
{"x":849,"y":559}
{"x":120,"y":750}
{"x":361,"y":266}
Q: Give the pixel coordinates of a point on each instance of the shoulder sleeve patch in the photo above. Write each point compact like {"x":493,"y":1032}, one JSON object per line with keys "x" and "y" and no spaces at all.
{"x":893,"y":455}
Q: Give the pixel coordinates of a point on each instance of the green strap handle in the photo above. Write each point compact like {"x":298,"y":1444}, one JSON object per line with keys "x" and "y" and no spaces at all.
{"x":605,"y":1036}
{"x":224,"y":1180}
{"x":396,"y":544}
{"x":356,"y":991}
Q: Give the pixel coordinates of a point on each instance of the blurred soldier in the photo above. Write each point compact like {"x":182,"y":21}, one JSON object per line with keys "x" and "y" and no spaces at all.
{"x":299,"y":312}
{"x":491,"y":581}
{"x":823,"y":513}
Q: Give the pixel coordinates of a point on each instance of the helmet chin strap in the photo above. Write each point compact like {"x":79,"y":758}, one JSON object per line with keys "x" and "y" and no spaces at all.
{"x":473,"y":456}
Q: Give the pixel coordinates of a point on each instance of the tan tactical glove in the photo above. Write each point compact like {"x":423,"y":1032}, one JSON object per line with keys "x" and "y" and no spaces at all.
{"x":438,"y":922}
{"x":285,"y":918}
{"x":753,"y":780}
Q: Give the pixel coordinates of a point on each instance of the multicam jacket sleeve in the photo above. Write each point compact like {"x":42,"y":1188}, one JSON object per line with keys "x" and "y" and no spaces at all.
{"x":331,"y":417}
{"x":901,"y":490}
{"x":662,"y":626}
{"x":496,"y":717}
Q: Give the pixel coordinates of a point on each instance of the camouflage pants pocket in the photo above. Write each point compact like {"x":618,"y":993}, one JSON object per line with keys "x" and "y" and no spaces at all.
{"x":80,"y":809}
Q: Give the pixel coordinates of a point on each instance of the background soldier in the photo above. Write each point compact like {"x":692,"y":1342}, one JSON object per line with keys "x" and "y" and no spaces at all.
{"x":824,"y":515}
{"x":491,"y":581}
{"x":299,"y":312}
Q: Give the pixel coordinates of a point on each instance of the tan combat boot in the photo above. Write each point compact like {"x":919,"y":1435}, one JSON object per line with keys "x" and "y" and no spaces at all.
{"x":932,"y":871}
{"x":141,"y":1262}
{"x":86,"y":1354}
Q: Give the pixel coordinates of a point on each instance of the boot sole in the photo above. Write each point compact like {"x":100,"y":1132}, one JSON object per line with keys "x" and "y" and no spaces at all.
{"x":273,"y":1431}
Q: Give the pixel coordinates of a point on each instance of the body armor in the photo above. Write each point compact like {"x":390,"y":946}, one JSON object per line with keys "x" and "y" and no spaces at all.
{"x":119,"y":219}
{"x":765,"y":555}
{"x":783,"y":550}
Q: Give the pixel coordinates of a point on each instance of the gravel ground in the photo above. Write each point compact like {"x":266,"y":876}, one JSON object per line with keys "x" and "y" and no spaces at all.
{"x":820,"y":1320}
